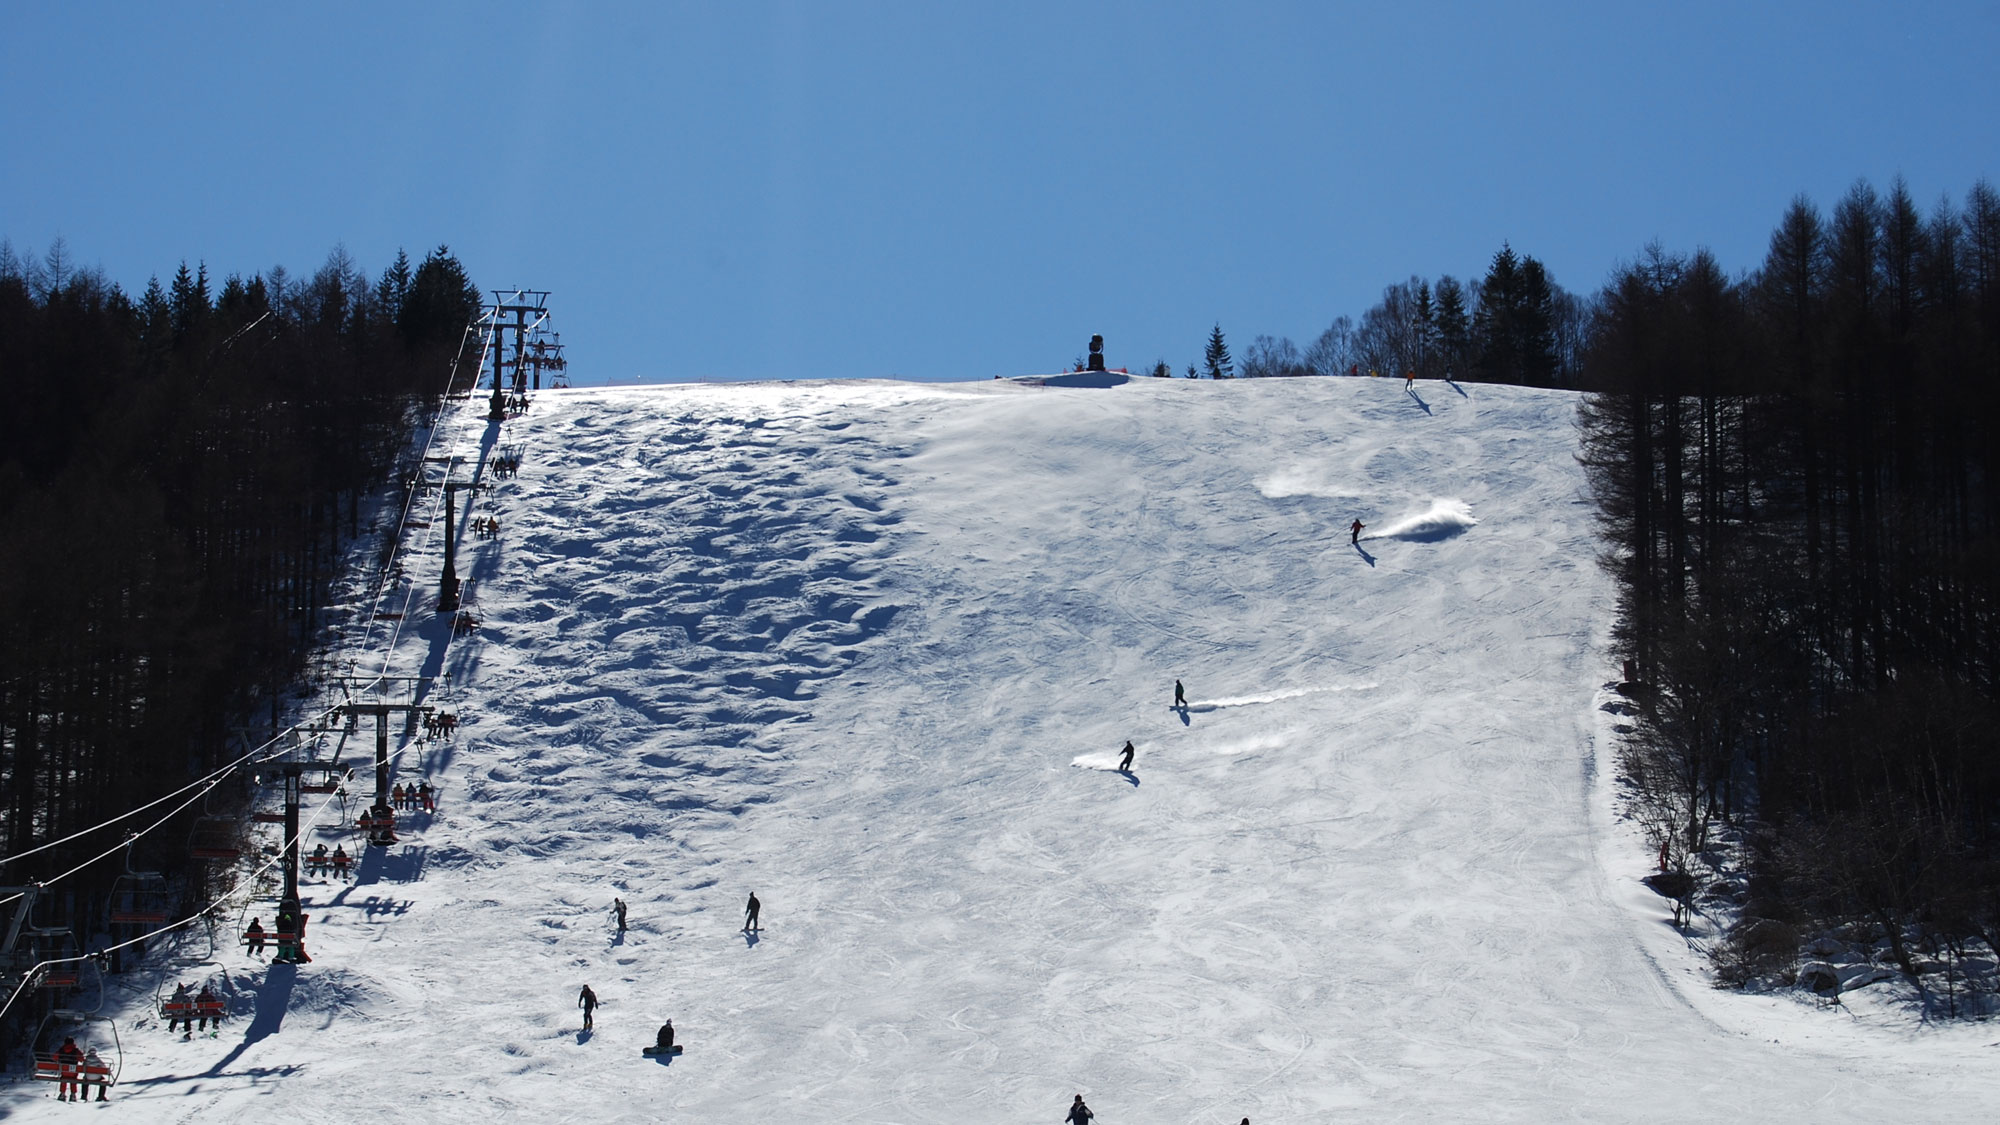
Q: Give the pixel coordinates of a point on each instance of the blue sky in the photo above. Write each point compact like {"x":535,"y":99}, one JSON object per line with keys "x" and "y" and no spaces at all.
{"x":955,"y":191}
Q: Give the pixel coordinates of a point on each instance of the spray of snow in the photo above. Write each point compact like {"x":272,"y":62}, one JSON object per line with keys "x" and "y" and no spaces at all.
{"x":1442,"y":520}
{"x":1271,"y":697}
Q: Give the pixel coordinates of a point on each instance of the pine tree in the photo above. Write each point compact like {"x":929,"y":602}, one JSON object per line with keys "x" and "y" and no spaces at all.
{"x":1217,"y":356}
{"x":1514,"y":329}
{"x":394,"y":288}
{"x":441,"y":301}
{"x":1454,"y":326}
{"x":1426,"y":329}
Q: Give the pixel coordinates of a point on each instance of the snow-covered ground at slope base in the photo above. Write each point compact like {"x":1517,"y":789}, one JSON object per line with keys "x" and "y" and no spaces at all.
{"x":871,"y":649}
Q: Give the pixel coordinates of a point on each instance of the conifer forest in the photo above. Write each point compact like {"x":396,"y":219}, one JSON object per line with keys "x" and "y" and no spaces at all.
{"x":178,"y":475}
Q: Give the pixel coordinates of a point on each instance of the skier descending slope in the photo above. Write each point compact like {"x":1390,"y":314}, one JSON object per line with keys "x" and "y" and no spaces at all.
{"x":1079,"y":1113}
{"x":587,"y":1000}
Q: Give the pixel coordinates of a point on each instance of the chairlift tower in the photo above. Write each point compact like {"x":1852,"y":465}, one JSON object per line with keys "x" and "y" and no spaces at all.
{"x":380,"y":819}
{"x":292,"y":942}
{"x":448,"y":584}
{"x":529,"y":309}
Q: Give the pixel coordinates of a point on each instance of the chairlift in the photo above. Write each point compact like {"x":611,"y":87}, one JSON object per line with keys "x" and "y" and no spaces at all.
{"x":79,"y":1070}
{"x":57,"y":960}
{"x":332,"y":774}
{"x":215,"y":838}
{"x":139,"y":898}
{"x":204,"y":1005}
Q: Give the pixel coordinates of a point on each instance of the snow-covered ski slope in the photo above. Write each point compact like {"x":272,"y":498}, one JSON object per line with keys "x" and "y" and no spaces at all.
{"x":870,"y":649}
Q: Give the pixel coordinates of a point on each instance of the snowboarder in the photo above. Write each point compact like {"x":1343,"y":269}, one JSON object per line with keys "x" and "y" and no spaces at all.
{"x":664,"y":1043}
{"x":587,"y":1000}
{"x":750,"y":913}
{"x":254,"y":936}
{"x":1125,"y":763}
{"x":1355,"y":530}
{"x":1079,"y":1113}
{"x":1180,"y":695}
{"x":618,"y":904}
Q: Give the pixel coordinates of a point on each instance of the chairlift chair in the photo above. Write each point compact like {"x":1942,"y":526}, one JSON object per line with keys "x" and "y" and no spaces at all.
{"x":332,"y":774}
{"x":47,"y":941}
{"x":214,"y":838}
{"x":139,"y":898}
{"x":77,"y":1024}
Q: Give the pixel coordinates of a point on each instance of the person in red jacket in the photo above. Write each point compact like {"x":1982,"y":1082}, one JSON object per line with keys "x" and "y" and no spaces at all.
{"x":69,"y":1061}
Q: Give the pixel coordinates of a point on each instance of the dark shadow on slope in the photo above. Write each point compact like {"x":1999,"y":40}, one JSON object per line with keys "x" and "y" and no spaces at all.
{"x":252,"y":1072}
{"x":750,"y":939}
{"x":272,"y":1001}
{"x":369,"y":870}
{"x":1365,"y":556}
{"x":437,"y":630}
{"x":1128,"y":775}
{"x":405,"y":866}
{"x":584,"y":1036}
{"x":1456,"y":387}
{"x":1418,"y":399}
{"x":1094,"y":380}
{"x":1183,"y":713}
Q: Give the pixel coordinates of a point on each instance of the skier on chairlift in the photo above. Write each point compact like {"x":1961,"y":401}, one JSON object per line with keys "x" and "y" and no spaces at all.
{"x":69,"y":1060}
{"x":94,"y":1071}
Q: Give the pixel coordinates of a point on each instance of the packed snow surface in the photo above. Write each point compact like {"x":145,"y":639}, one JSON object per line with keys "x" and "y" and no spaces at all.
{"x":871,"y":650}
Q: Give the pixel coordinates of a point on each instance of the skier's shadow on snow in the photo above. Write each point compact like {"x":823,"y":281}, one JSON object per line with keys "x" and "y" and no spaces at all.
{"x":1365,"y":556}
{"x":1129,"y":776}
{"x":1186,"y":721}
{"x":749,"y":939}
{"x":663,"y":1060}
{"x":1456,"y":387}
{"x":583,"y":1036}
{"x":1418,"y":399}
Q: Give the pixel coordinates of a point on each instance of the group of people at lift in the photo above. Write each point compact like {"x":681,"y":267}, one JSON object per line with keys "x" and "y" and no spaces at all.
{"x":185,"y":1010}
{"x":319,"y":862}
{"x":287,"y":936}
{"x":76,"y":1069}
{"x":414,"y":797}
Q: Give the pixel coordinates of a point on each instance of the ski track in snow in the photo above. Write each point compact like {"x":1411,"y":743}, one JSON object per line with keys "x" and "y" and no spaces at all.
{"x":870,"y":650}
